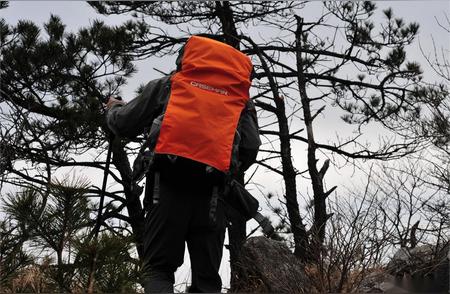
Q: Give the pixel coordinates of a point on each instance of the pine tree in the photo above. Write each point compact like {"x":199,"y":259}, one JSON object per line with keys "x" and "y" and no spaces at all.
{"x":378,"y":60}
{"x":13,"y":257}
{"x":52,"y":88}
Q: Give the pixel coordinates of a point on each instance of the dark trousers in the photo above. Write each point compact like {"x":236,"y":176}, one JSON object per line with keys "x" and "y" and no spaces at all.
{"x":183,"y":215}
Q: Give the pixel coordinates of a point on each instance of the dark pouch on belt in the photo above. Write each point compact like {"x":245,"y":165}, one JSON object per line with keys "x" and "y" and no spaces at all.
{"x":242,"y":201}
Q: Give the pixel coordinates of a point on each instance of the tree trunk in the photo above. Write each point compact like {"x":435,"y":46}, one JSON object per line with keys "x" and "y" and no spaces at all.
{"x":290,"y":182}
{"x":288,"y":171}
{"x":236,"y":235}
{"x":60,"y":274}
{"x":320,"y":214}
{"x":237,"y":232}
{"x":225,"y":14}
{"x":134,"y":206}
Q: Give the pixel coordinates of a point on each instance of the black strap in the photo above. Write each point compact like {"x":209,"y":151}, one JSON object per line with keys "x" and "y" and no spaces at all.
{"x":265,"y":224}
{"x":213,"y":204}
{"x":145,"y":158}
{"x":156,"y":188}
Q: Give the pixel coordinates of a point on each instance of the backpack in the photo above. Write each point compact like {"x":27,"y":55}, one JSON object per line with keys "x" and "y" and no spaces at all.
{"x":208,"y":94}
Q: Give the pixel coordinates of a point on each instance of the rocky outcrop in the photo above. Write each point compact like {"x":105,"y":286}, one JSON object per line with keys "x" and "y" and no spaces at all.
{"x":377,"y":282}
{"x":419,"y":260}
{"x":423,"y":269}
{"x":269,"y":266}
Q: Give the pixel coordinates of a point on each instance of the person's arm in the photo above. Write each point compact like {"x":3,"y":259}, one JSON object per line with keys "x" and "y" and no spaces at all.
{"x":129,"y":120}
{"x":250,"y":141}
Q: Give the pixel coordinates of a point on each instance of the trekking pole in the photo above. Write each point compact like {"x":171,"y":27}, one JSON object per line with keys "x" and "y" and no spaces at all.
{"x":98,"y":221}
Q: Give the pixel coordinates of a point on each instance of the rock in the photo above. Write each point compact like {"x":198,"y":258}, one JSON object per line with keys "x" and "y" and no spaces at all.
{"x":402,"y":255}
{"x":421,"y":269}
{"x":401,"y":262}
{"x":377,"y":282}
{"x":269,"y":266}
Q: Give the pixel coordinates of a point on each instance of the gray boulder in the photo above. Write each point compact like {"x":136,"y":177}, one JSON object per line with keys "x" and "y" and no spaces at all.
{"x":421,"y":269}
{"x":379,"y":282}
{"x":269,"y":266}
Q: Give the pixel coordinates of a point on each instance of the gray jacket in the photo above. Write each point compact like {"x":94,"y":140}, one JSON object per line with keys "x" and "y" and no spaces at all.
{"x":133,"y":118}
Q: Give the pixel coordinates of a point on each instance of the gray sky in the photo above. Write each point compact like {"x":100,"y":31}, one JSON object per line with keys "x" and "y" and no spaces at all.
{"x":76,"y":14}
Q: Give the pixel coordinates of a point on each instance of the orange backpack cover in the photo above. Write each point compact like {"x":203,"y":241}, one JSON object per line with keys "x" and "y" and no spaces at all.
{"x":207,"y":97}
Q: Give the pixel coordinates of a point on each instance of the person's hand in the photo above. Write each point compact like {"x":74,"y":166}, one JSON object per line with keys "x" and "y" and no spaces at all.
{"x":113,"y":101}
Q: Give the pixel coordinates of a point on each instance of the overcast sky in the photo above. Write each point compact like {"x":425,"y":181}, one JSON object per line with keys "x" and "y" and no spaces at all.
{"x":76,"y":14}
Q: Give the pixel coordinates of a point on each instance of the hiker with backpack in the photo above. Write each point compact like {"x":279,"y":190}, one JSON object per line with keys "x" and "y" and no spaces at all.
{"x":202,"y":134}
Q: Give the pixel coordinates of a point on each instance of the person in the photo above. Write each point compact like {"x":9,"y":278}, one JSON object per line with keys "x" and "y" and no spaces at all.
{"x":185,"y":189}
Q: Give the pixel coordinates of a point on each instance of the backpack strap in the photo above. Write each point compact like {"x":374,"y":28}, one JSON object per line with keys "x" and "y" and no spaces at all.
{"x":265,"y":224}
{"x":146,"y":154}
{"x":156,"y":188}
{"x":145,"y":158}
{"x":213,"y":204}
